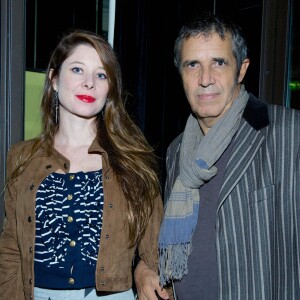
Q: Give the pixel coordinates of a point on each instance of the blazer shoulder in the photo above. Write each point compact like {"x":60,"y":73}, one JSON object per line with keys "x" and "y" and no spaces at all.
{"x":260,"y":114}
{"x":281,"y":109}
{"x":284,"y":116}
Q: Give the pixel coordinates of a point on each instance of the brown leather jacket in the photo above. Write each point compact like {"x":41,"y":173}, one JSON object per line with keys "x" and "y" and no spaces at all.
{"x":115,"y":259}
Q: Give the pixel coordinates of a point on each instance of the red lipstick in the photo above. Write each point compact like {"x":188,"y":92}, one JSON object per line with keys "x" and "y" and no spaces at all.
{"x":86,"y":98}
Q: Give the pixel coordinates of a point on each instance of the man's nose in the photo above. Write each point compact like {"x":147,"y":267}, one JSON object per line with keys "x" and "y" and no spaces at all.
{"x":206,"y":77}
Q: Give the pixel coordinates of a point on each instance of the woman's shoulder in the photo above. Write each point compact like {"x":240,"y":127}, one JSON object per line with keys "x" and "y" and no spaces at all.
{"x":19,"y":153}
{"x":22,"y":148}
{"x":23,"y":145}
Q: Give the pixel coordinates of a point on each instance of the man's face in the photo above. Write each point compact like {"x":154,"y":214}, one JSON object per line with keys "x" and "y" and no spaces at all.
{"x":209,"y":75}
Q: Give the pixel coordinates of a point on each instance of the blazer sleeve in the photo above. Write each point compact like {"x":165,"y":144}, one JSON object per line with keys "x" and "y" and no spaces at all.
{"x":296,"y":195}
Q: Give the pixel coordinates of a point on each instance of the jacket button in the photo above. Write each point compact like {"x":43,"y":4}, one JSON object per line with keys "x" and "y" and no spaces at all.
{"x":110,"y":205}
{"x":102,"y":268}
{"x":107,"y":236}
{"x":30,"y":249}
{"x":102,"y":283}
{"x":29,"y":219}
{"x":30,"y":281}
{"x":106,"y":177}
{"x":31,"y":187}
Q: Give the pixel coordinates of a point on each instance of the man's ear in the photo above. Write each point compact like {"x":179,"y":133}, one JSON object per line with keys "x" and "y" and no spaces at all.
{"x":243,"y":69}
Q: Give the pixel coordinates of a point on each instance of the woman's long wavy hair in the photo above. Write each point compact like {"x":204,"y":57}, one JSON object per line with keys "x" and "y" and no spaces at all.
{"x":130,"y":155}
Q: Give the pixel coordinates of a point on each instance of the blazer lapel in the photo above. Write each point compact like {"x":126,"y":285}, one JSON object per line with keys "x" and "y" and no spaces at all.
{"x":244,"y":149}
{"x":246,"y":143}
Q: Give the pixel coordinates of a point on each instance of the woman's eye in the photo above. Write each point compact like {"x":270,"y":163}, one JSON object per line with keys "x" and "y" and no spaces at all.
{"x":77,"y":70}
{"x":101,"y":76}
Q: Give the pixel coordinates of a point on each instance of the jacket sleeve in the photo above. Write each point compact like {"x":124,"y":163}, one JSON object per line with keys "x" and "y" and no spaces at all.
{"x":10,"y":262}
{"x":148,"y":246}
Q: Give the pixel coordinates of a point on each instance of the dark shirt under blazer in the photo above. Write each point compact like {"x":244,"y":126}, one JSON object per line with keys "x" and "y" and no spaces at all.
{"x":258,"y":215}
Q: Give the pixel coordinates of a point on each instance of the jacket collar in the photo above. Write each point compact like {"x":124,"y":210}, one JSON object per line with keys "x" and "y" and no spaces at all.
{"x":96,"y":148}
{"x":256,"y":113}
{"x":64,"y":163}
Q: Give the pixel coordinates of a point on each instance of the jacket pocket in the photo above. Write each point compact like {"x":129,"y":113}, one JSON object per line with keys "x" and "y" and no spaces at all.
{"x":264,"y":194}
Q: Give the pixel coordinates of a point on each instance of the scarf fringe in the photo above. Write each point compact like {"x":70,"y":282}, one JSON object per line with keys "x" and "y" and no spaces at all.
{"x":173,"y":261}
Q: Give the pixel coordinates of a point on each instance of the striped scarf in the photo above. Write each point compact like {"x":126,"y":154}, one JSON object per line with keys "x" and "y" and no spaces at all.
{"x":198,"y":154}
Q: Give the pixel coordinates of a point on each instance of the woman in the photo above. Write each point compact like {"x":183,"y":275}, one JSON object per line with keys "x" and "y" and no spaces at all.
{"x":82,"y":197}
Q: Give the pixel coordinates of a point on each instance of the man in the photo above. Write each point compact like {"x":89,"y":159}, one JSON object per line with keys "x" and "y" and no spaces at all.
{"x":231,"y":225}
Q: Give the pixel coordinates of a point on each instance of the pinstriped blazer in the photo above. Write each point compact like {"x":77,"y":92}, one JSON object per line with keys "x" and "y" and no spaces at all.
{"x":258,"y":216}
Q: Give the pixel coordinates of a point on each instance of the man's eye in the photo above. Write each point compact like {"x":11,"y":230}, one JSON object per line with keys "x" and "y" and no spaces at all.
{"x":220,"y":62}
{"x":192,"y":64}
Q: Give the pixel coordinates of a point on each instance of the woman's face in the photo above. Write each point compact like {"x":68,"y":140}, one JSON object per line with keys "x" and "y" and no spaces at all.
{"x":82,"y":84}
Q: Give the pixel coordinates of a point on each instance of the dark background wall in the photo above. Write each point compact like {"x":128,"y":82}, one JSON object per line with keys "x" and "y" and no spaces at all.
{"x":47,"y":22}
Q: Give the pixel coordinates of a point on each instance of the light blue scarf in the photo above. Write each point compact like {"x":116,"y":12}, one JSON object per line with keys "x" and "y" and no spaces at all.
{"x":198,"y":153}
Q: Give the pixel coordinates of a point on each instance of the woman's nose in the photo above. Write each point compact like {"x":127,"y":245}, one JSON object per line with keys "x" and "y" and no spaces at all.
{"x":88,"y":82}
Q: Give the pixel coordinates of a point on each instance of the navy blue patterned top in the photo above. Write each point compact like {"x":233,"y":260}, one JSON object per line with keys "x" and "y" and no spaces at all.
{"x":69,"y":209}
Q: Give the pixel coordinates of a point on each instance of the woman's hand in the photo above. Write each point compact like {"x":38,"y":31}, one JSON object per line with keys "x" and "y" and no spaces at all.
{"x":147,"y":283}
